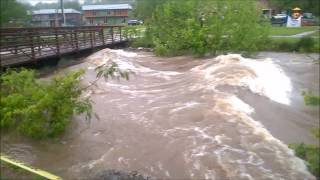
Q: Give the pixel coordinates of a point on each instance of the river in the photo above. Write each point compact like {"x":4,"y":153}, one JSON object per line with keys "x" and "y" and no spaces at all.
{"x":219,"y":118}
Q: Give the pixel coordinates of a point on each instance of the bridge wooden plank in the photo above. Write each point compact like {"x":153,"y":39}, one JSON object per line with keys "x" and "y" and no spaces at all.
{"x":23,"y":45}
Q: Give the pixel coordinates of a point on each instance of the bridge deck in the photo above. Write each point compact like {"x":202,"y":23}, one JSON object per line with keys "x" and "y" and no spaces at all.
{"x":23,"y":45}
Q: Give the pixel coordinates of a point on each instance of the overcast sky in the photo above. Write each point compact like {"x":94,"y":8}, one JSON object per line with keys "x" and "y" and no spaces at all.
{"x":33,"y":2}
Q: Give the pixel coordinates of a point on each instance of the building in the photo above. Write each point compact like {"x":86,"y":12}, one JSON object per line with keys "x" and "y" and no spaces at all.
{"x":113,"y":14}
{"x":54,"y":18}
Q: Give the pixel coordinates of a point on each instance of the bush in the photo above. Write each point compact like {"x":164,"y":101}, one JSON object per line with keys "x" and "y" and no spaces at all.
{"x":131,"y":32}
{"x":139,"y":36}
{"x":40,"y":108}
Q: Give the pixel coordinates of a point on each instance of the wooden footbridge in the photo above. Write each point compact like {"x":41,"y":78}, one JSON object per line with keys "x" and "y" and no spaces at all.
{"x":25,"y":45}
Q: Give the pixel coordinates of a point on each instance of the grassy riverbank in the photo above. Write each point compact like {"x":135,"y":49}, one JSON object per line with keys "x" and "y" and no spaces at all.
{"x":306,"y":44}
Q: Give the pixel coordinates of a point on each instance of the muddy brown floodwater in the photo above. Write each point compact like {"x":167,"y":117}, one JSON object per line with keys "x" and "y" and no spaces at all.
{"x":184,"y":118}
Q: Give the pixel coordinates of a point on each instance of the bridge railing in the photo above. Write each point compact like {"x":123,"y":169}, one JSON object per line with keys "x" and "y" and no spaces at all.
{"x":20,"y":45}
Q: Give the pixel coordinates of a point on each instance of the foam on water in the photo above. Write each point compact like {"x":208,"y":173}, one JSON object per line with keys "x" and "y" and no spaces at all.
{"x":184,"y":106}
{"x":261,"y":76}
{"x":124,"y":61}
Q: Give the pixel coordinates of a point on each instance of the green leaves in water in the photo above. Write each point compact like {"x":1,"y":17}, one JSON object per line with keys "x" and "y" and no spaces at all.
{"x":111,"y":70}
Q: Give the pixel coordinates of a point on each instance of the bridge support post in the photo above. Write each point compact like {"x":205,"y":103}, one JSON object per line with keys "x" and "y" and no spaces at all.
{"x":120,"y":33}
{"x":76,"y":40}
{"x":84,"y":38}
{"x":39,"y":43}
{"x":91,"y":42}
{"x":72,"y":39}
{"x":112,"y":38}
{"x":32,"y":47}
{"x":57,"y":42}
{"x":15,"y":49}
{"x":94,"y":39}
{"x":102,"y":36}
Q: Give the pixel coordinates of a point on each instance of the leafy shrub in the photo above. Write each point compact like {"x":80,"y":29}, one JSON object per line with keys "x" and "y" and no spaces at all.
{"x":40,"y":108}
{"x":43,"y":109}
{"x":131,"y":32}
{"x":286,"y":45}
{"x":139,"y":36}
{"x":305,"y":44}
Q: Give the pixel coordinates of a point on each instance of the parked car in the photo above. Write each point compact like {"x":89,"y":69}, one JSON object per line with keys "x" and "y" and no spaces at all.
{"x":279,"y":19}
{"x":308,"y":20}
{"x":135,"y":22}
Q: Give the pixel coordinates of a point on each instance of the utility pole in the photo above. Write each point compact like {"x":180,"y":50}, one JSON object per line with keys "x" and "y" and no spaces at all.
{"x":62,"y":11}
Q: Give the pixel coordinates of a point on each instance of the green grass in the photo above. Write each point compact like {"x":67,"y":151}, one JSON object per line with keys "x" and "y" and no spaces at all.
{"x":284,"y":31}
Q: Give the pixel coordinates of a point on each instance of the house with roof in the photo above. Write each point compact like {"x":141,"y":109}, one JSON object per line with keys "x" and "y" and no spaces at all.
{"x":112,"y":14}
{"x":54,"y":17}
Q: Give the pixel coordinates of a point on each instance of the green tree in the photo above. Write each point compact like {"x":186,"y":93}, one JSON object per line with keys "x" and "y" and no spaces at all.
{"x":144,"y":9}
{"x":11,"y":10}
{"x":207,"y":27}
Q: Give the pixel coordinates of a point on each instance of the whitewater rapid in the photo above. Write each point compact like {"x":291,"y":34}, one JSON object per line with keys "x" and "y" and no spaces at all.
{"x":224,"y":142}
{"x":178,"y":118}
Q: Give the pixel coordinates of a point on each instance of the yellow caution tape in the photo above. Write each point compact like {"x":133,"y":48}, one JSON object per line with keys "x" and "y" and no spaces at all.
{"x":30,"y":169}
